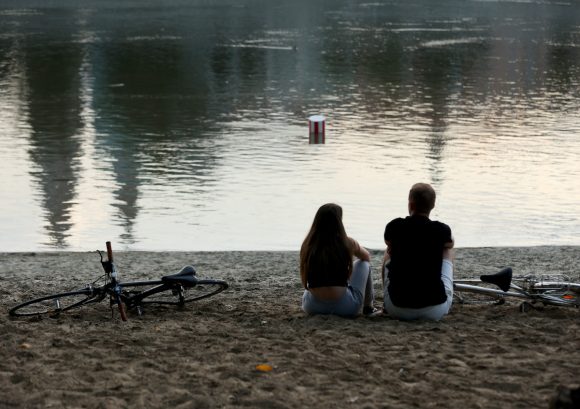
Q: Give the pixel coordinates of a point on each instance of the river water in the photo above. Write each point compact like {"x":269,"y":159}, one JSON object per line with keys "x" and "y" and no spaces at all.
{"x":182,"y":125}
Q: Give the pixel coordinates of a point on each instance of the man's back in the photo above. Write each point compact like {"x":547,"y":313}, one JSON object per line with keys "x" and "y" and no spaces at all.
{"x":416,"y":246}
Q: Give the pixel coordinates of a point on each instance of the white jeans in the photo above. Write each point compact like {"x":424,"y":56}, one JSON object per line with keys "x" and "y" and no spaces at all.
{"x":433,"y":312}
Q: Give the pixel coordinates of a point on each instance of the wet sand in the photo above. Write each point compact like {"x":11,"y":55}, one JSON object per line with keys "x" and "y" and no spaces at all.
{"x":205,"y":355}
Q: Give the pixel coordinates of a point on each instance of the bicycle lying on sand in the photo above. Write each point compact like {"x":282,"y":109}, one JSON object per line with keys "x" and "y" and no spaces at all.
{"x":176,"y":289}
{"x":546,"y":290}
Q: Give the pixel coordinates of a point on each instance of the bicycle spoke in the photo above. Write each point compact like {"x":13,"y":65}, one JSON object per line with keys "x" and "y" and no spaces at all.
{"x":52,"y":305}
{"x":179,"y":295}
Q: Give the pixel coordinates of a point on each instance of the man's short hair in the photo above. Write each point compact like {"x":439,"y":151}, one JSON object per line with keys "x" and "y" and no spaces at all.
{"x":423,"y":196}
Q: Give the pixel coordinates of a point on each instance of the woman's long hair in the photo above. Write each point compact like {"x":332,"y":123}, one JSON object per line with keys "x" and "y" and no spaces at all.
{"x":326,"y":250}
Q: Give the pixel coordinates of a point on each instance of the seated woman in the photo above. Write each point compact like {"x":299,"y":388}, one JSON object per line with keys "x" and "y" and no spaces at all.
{"x":333,"y":285}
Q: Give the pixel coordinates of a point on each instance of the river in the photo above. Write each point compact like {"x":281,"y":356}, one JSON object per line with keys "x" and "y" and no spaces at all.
{"x":183,"y":125}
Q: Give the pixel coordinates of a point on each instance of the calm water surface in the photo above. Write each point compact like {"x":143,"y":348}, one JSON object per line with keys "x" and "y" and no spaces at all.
{"x":182,"y":125}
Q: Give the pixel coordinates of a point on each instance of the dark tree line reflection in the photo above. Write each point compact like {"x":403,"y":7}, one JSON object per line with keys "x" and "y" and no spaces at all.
{"x":164,"y":79}
{"x":55,"y":147}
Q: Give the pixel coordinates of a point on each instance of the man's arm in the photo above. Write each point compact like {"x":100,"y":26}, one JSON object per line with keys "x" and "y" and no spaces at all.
{"x":448,"y":253}
{"x":386,"y":259}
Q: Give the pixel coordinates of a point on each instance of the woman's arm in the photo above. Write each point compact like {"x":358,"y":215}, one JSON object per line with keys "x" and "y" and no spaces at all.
{"x":359,"y":251}
{"x":303,"y":267}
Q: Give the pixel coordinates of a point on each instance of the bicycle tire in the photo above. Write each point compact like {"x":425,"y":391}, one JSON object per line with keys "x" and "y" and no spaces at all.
{"x":180,"y":295}
{"x":53,"y":304}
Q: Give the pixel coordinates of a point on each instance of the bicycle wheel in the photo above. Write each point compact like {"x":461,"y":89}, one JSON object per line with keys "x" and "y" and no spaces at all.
{"x":179,"y":294}
{"x":53,"y":304}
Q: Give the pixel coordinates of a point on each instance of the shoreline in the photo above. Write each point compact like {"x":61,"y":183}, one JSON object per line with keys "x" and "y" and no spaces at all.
{"x":205,"y":355}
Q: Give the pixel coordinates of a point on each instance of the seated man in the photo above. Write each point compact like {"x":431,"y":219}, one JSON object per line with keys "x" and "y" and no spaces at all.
{"x":418,"y":267}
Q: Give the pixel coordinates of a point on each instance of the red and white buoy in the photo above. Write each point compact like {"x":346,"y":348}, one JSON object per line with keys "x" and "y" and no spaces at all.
{"x":316,"y":125}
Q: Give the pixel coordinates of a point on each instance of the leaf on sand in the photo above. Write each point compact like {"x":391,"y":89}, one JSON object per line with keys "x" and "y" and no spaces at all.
{"x":264,"y":367}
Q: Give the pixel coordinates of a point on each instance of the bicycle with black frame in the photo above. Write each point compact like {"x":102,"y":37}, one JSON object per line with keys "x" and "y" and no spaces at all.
{"x":175,"y":289}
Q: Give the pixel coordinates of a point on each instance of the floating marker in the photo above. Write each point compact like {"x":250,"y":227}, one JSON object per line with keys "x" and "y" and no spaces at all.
{"x":316,"y":125}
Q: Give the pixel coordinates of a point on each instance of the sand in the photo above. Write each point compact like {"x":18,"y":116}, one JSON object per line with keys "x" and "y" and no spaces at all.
{"x":205,"y":355}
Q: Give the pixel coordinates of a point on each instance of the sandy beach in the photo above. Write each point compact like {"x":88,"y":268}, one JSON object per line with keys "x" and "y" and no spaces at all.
{"x":205,"y":355}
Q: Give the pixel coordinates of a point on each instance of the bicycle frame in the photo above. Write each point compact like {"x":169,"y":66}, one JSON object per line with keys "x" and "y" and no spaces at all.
{"x":471,"y":286}
{"x":114,"y":287}
{"x":136,"y":300}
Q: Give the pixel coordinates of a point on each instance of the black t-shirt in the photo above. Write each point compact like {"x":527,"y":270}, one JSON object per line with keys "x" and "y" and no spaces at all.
{"x":416,"y":250}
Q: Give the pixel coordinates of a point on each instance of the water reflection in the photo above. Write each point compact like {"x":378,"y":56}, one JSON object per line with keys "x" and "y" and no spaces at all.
{"x":165,"y":106}
{"x":153,"y":103}
{"x":53,"y":80}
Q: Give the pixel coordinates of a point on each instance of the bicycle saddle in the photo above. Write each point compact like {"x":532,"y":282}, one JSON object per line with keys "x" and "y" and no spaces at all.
{"x":502,"y":279}
{"x":186,"y":275}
